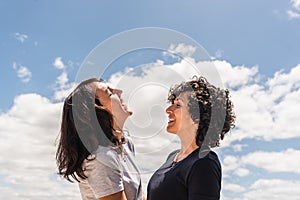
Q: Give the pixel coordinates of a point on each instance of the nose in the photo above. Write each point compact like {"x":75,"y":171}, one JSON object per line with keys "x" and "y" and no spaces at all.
{"x":169,"y":109}
{"x":117,"y":91}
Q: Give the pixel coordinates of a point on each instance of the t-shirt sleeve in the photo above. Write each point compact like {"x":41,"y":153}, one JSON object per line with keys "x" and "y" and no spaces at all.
{"x":105,"y":175}
{"x":204,"y":181}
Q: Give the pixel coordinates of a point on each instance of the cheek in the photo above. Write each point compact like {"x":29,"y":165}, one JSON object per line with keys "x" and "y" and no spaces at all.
{"x":186,"y":116}
{"x":107,"y":104}
{"x":178,"y":115}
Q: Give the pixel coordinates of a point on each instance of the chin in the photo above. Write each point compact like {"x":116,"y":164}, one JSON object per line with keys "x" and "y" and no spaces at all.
{"x":130,"y":113}
{"x":169,"y":130}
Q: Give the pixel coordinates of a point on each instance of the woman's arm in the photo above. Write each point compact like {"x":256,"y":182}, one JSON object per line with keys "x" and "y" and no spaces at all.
{"x":116,"y":196}
{"x":204,"y":180}
{"x":144,"y":196}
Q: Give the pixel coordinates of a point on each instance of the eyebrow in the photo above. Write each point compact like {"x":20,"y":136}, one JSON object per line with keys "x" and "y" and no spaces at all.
{"x":177,"y":99}
{"x":107,"y":88}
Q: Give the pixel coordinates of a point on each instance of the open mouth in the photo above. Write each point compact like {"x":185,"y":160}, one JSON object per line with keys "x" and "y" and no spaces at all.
{"x":171,"y":120}
{"x":124,"y":106}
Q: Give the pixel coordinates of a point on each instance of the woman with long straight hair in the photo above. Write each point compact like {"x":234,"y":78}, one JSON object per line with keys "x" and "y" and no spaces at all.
{"x":93,"y":149}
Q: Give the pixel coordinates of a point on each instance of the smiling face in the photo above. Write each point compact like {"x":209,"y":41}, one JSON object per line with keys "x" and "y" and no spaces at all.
{"x":180,"y":120}
{"x":111,"y":99}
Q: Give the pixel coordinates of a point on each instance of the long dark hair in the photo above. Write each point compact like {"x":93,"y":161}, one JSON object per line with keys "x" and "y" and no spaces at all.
{"x":85,"y":125}
{"x":209,"y":106}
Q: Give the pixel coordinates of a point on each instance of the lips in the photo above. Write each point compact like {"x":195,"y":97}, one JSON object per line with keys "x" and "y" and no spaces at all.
{"x":124,"y":106}
{"x":171,"y":120}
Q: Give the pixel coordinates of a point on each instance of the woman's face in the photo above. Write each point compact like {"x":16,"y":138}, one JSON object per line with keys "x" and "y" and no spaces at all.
{"x":111,"y":99}
{"x":179,"y":117}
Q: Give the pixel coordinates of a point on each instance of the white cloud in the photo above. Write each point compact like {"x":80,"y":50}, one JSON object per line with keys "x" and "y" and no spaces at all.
{"x":235,"y":76}
{"x":238,"y":147}
{"x":180,"y":49}
{"x":241,"y":172}
{"x":60,"y":94}
{"x":58,"y":63}
{"x":274,"y":189}
{"x":265,"y":110}
{"x":289,"y":80}
{"x":230,"y":163}
{"x":62,"y":87}
{"x":272,"y":162}
{"x":62,"y":79}
{"x":233,"y":188}
{"x":275,"y":161}
{"x":292,"y":14}
{"x":233,"y":165}
{"x":296,"y":4}
{"x":22,"y":72}
{"x":28,"y":132}
{"x":21,"y":37}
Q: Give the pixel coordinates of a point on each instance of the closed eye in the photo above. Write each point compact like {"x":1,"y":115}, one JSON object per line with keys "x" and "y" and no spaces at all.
{"x":108,"y":92}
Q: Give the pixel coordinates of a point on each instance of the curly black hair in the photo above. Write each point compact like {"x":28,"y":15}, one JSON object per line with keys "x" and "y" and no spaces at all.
{"x":209,"y":106}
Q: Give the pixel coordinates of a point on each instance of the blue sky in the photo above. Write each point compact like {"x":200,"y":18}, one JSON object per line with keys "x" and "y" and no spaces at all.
{"x":254,"y":45}
{"x":245,"y":33}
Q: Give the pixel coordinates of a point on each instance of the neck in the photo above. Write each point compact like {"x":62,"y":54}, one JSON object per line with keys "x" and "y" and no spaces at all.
{"x":118,"y":124}
{"x":188,"y":145}
{"x":187,"y":137}
{"x":118,"y":127}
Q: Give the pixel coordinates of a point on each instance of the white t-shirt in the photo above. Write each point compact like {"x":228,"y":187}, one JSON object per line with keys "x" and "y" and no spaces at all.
{"x":109,"y":171}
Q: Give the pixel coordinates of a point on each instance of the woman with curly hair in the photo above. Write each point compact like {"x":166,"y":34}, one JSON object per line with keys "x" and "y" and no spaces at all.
{"x":92,"y":148}
{"x":200,"y":114}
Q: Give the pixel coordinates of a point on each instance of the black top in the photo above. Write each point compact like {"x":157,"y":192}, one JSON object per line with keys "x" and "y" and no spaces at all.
{"x":197,"y":177}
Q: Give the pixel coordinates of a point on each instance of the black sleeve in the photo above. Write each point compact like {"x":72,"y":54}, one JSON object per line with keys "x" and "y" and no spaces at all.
{"x":204,"y":180}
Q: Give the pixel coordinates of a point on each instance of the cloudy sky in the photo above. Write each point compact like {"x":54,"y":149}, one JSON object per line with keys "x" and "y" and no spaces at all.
{"x":253,"y":49}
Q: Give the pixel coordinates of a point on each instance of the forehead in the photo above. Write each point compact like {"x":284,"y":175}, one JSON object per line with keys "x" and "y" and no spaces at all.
{"x":101,"y":86}
{"x":182,"y":97}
